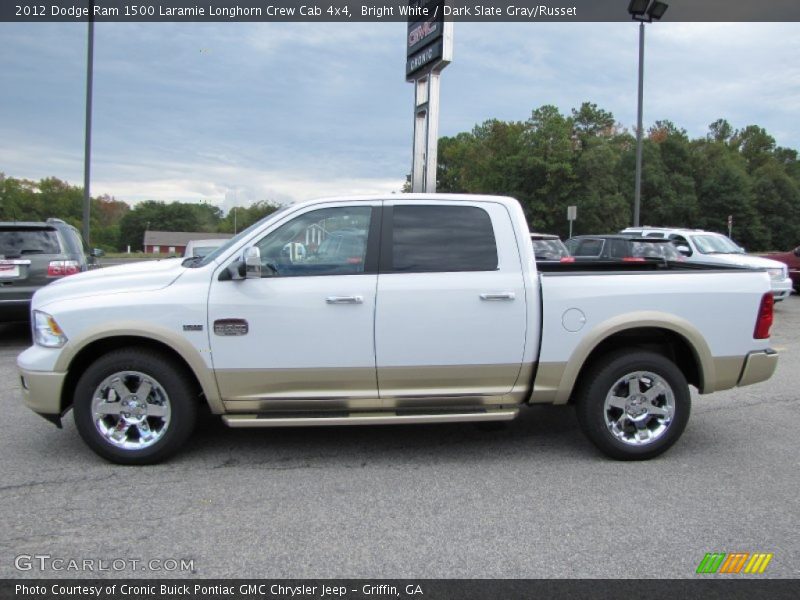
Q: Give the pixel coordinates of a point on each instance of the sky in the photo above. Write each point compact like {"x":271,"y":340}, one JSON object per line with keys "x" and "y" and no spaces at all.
{"x":233,"y":113}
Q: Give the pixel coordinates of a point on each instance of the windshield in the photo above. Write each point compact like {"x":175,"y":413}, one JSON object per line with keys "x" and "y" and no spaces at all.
{"x":28,"y":240}
{"x":212,"y":256}
{"x":715,"y":244}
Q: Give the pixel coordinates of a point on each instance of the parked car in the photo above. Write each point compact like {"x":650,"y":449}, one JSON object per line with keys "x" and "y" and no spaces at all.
{"x":700,"y":246}
{"x":792,"y":261}
{"x":547,"y":247}
{"x":202,"y":247}
{"x":33,"y":254}
{"x":615,"y":247}
{"x":441,"y":315}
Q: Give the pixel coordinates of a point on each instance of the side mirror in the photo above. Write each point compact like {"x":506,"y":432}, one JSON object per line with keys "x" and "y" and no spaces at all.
{"x":685,"y":250}
{"x":97,"y":253}
{"x":797,"y":251}
{"x":252,"y":263}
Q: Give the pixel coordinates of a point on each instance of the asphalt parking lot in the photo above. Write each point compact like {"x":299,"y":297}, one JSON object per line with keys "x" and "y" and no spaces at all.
{"x":532,"y":500}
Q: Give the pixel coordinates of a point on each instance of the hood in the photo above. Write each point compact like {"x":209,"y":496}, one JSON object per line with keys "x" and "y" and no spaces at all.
{"x":142,"y":276}
{"x":745,"y":260}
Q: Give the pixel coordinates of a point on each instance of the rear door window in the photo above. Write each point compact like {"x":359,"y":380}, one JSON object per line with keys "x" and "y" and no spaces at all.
{"x":429,"y":239}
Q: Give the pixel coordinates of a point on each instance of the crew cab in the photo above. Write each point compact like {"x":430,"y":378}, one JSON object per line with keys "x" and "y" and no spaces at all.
{"x":418,"y":308}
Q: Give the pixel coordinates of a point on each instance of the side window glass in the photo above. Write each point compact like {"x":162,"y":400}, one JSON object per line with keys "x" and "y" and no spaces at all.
{"x":592,"y":248}
{"x":328,"y":241}
{"x":678,"y":240}
{"x":619,"y":248}
{"x":428,"y":239}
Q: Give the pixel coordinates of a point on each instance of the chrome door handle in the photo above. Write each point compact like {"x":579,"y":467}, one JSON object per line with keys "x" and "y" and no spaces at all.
{"x":345,"y":299}
{"x":499,"y":296}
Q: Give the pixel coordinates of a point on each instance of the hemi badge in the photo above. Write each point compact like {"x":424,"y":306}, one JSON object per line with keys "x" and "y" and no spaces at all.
{"x":231,"y":327}
{"x":193,"y":328}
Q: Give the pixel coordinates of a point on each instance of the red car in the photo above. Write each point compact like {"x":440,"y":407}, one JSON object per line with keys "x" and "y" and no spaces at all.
{"x":792,"y":260}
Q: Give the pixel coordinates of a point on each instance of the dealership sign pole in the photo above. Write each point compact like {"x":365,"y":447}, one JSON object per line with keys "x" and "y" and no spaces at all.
{"x":429,"y":49}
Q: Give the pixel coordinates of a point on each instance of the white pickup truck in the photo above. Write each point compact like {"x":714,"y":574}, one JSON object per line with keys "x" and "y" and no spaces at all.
{"x":382,"y":310}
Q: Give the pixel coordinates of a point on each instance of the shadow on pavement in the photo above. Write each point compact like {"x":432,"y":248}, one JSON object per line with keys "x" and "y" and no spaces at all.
{"x":16,"y":333}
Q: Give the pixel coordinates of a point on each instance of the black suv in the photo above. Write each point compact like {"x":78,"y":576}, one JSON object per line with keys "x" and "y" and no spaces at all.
{"x":621,"y":248}
{"x":34,"y":254}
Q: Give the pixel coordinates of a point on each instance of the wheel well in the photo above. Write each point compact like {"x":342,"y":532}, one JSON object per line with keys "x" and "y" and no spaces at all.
{"x":661,"y":341}
{"x":93,"y":351}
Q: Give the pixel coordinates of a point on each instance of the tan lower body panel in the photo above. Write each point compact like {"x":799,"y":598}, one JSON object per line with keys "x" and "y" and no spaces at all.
{"x":550,"y":385}
{"x":454,"y":385}
{"x":548,"y":382}
{"x":287,"y":389}
{"x":727,"y":370}
{"x":355,"y":389}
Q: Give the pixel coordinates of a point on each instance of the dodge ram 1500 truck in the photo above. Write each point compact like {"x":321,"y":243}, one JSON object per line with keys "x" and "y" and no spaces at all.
{"x":381,"y":310}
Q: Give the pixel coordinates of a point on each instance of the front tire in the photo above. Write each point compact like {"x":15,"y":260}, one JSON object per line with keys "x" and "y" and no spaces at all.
{"x":633,"y":404}
{"x":135,"y":407}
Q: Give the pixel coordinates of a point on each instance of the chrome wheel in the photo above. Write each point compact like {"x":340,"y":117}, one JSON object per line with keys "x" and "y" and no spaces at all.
{"x":131,"y":410}
{"x":639,"y":408}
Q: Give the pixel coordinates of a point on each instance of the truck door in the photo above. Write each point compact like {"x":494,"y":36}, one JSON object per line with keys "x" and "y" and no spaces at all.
{"x":450,"y":316}
{"x":301,"y":336}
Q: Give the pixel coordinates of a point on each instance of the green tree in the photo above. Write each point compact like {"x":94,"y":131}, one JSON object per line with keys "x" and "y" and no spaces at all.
{"x":154,"y":215}
{"x":241,"y":217}
{"x":778,"y":204}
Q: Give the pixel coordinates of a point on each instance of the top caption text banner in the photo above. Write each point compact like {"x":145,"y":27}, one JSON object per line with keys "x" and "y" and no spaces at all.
{"x":375,"y":11}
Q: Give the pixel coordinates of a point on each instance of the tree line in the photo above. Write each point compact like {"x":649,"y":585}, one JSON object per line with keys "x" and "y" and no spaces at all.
{"x":548,"y":162}
{"x":115,"y":225}
{"x":586,"y":159}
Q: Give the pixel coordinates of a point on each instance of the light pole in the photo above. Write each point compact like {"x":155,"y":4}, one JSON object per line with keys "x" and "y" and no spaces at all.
{"x":644,"y":11}
{"x":87,"y":146}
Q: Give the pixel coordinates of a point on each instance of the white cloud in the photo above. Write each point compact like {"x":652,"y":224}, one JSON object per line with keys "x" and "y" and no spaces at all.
{"x":215,"y":185}
{"x":244,"y":112}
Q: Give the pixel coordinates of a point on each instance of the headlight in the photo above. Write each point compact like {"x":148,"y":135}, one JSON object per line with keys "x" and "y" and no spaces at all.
{"x":776,"y":273}
{"x":46,"y":331}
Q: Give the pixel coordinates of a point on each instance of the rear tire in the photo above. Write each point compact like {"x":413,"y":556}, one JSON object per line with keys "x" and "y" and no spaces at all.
{"x":633,"y":404}
{"x":135,"y":406}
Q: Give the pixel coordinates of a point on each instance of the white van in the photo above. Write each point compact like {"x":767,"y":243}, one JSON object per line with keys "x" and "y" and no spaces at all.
{"x":202,"y":247}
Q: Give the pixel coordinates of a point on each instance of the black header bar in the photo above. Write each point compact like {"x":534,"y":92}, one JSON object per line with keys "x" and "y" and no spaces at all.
{"x":386,"y":589}
{"x":388,"y":10}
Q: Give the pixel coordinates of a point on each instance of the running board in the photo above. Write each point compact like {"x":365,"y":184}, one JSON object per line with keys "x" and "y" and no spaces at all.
{"x":371,"y":419}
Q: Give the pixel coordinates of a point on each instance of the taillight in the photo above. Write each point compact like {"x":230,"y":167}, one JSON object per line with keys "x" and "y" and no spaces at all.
{"x":61,"y":268}
{"x":764,"y":320}
{"x":567,"y":259}
{"x":633,"y":259}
